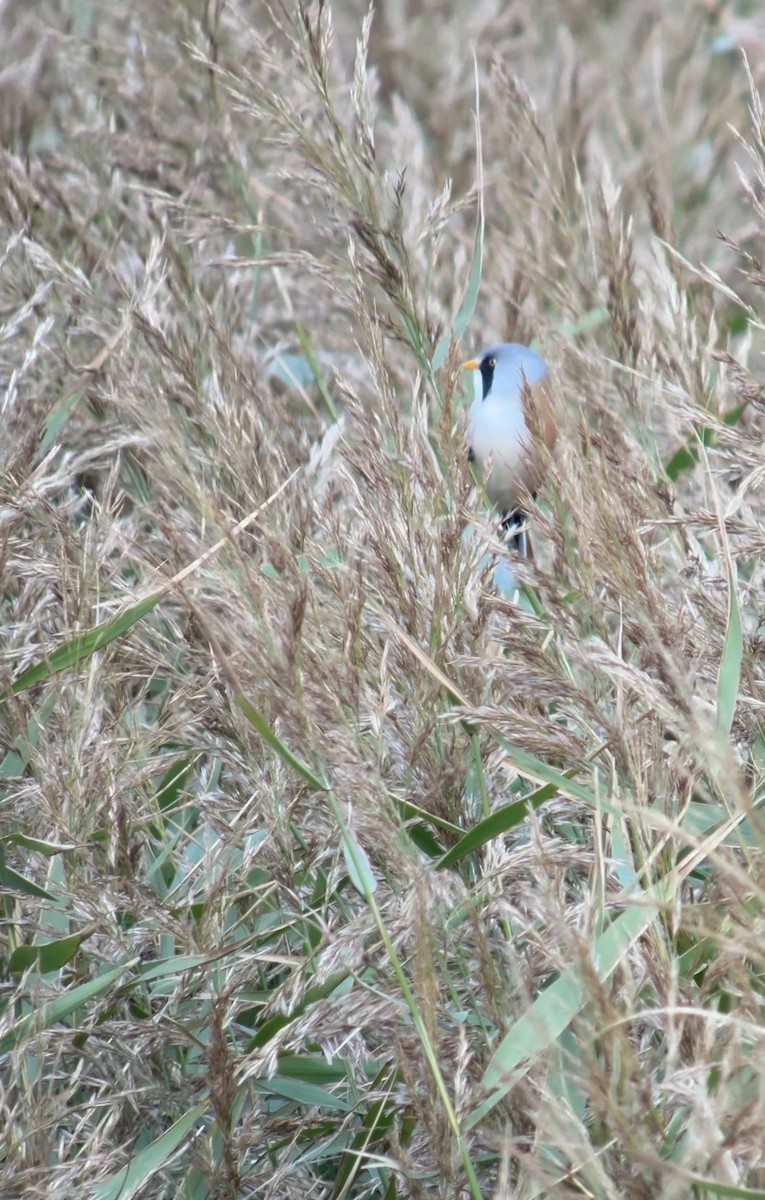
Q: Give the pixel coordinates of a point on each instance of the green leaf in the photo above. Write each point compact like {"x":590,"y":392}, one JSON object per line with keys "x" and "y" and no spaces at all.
{"x":563,"y":1107}
{"x":533,"y":768}
{"x":270,"y":738}
{"x":554,"y":1010}
{"x":501,"y":821}
{"x":17,"y":760}
{"x":57,"y":1010}
{"x":724,"y":1189}
{"x":13,"y":766}
{"x":682,"y":460}
{"x":412,"y":812}
{"x":32,"y":843}
{"x":359,"y":867}
{"x":733,"y":415}
{"x":317,"y":1070}
{"x":316,"y":372}
{"x":56,"y":420}
{"x":276,"y":1023}
{"x":425,"y":841}
{"x":143,"y":1168}
{"x":703,"y":818}
{"x":303,"y":1093}
{"x":696,"y":958}
{"x":730,"y":666}
{"x":377,"y":1121}
{"x":292,"y":369}
{"x":51,"y":956}
{"x":11,"y":881}
{"x":173,"y":966}
{"x":687,"y":456}
{"x":84,"y":645}
{"x":174,"y":783}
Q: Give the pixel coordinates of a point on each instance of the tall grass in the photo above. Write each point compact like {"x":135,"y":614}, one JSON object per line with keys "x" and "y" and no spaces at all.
{"x":328,"y":867}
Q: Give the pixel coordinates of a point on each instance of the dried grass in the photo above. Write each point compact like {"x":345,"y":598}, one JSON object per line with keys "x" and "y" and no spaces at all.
{"x":231,"y":241}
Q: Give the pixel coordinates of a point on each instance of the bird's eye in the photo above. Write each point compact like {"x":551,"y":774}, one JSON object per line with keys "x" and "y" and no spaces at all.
{"x":492,"y":363}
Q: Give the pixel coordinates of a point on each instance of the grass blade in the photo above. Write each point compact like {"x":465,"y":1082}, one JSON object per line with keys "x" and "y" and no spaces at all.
{"x":60,"y":1008}
{"x":359,"y":866}
{"x":33,"y":843}
{"x":554,"y":1010}
{"x":145,"y":1165}
{"x":499,"y":822}
{"x":374,"y":1129}
{"x":11,"y":881}
{"x":51,"y":956}
{"x":729,"y":677}
{"x":307,"y":1094}
{"x":84,"y":645}
{"x":316,"y":371}
{"x":277,"y":745}
{"x":713,"y":1188}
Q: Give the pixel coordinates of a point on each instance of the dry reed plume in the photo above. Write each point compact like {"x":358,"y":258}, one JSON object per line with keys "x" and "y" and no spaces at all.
{"x":245,"y":949}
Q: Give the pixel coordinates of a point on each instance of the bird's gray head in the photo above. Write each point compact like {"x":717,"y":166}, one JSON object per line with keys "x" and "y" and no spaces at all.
{"x":506,"y":365}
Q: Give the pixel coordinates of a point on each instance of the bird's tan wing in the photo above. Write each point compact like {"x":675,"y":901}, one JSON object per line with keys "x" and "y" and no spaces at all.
{"x":539,"y":415}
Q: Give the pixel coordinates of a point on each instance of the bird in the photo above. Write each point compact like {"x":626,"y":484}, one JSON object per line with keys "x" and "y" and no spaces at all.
{"x":507,"y":426}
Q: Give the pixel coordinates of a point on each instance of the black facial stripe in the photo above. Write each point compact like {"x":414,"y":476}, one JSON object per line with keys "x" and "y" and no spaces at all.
{"x":487,"y":373}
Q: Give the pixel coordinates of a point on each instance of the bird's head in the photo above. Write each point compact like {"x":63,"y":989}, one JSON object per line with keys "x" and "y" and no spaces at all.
{"x":505,"y":366}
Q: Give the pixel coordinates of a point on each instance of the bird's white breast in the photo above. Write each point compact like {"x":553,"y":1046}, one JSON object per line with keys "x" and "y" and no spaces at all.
{"x":499,"y":439}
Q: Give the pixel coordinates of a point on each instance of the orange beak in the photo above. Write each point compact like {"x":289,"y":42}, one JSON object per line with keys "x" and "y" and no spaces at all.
{"x":472,"y":364}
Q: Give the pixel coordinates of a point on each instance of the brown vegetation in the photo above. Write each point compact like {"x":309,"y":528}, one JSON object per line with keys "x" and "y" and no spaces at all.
{"x":244,"y":950}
